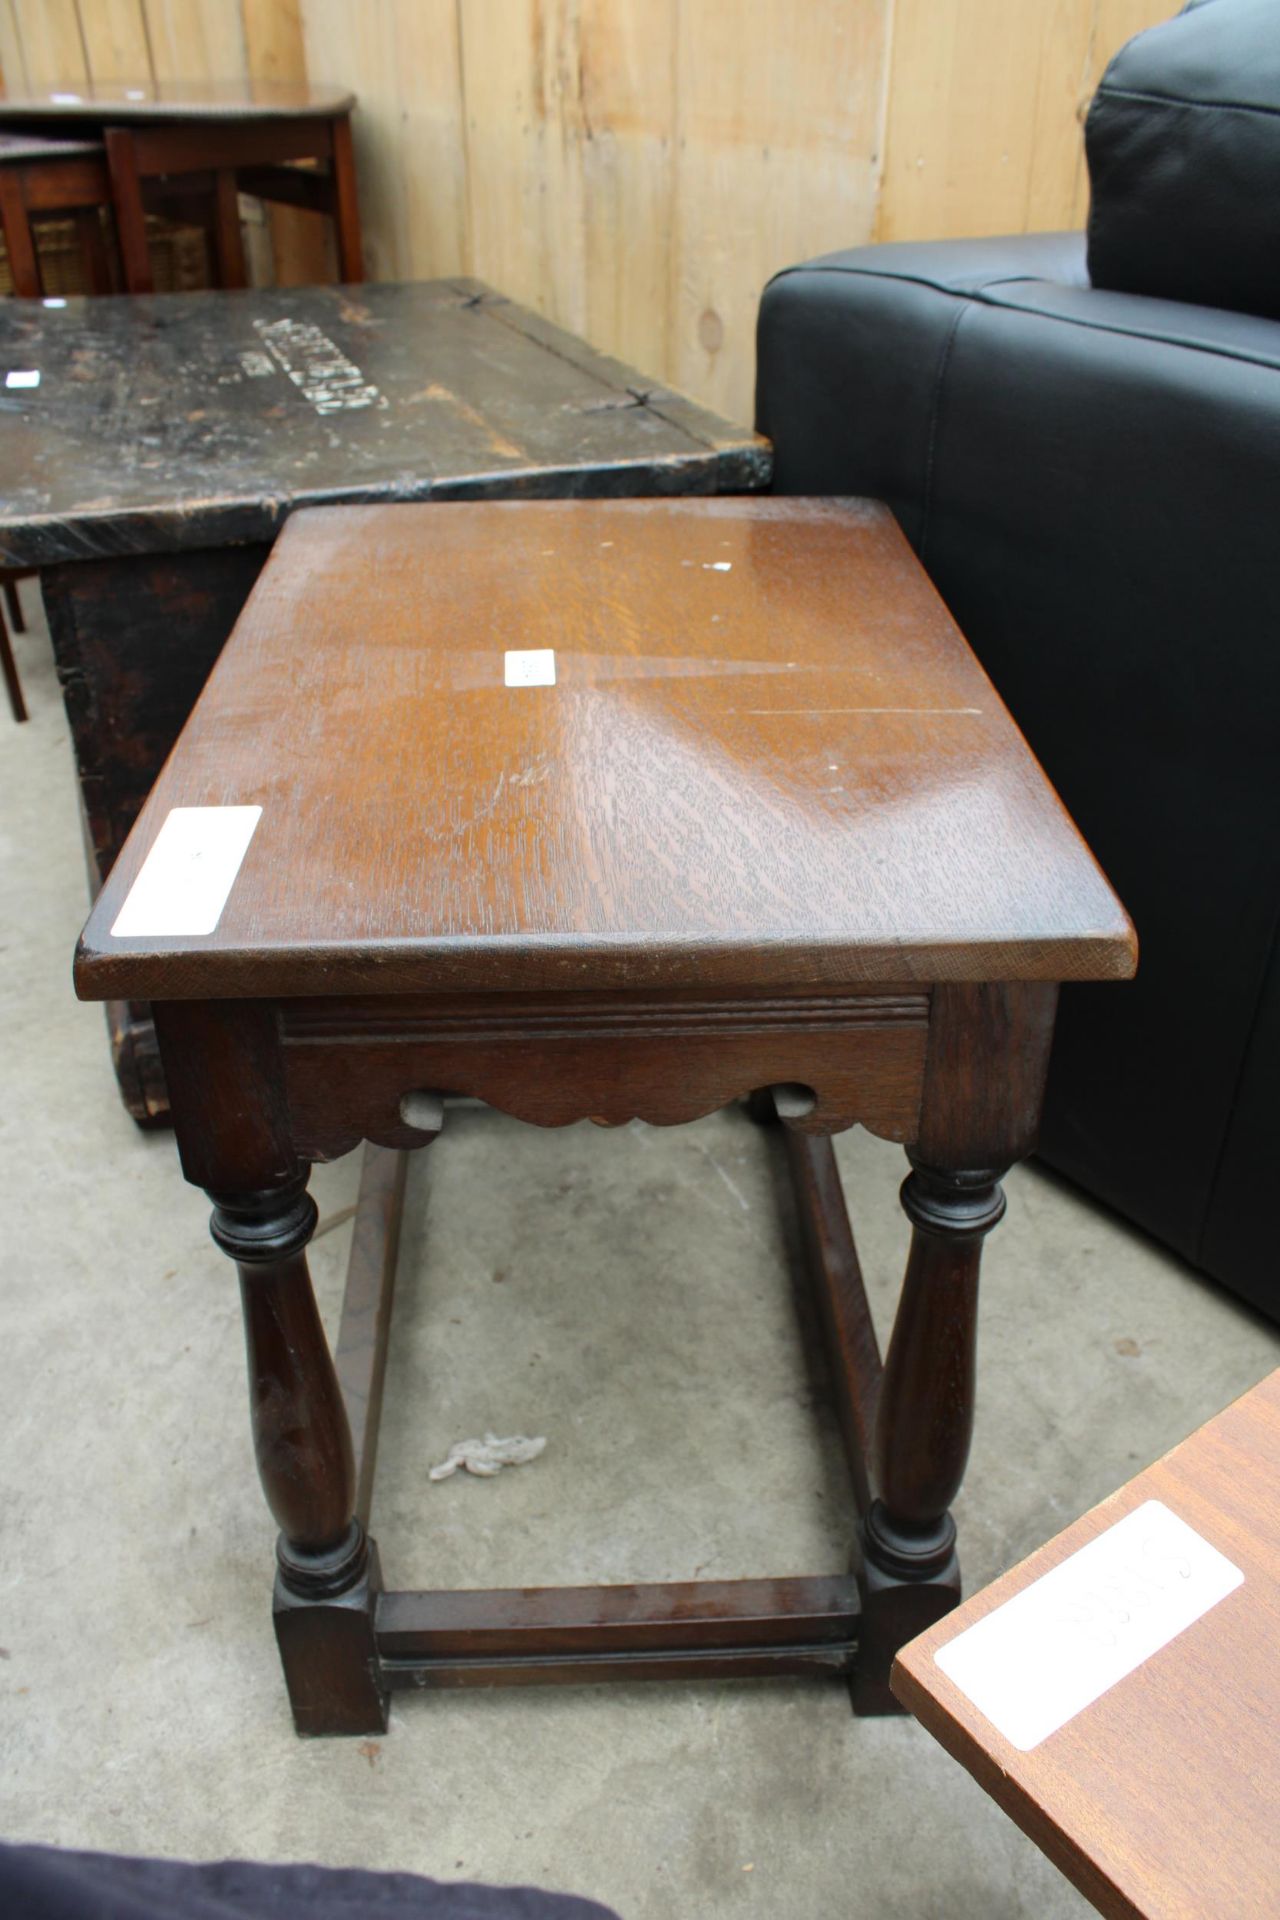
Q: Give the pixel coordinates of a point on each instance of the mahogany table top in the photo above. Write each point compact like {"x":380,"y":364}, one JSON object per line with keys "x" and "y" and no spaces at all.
{"x":768,"y":759}
{"x":107,"y":102}
{"x":1159,"y":1798}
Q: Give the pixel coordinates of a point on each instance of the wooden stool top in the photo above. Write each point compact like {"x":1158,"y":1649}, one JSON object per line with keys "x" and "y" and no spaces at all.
{"x":767,"y":759}
{"x":151,"y":102}
{"x":17,"y":149}
{"x":1159,"y":1797}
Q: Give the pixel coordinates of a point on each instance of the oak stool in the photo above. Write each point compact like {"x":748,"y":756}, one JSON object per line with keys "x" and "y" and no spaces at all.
{"x":600,"y":809}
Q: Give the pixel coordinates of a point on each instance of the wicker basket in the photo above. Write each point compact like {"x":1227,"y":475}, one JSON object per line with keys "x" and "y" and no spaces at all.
{"x":179,"y":261}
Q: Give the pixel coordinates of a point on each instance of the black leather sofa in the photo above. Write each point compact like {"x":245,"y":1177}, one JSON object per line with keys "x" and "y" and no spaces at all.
{"x":1082,"y":441}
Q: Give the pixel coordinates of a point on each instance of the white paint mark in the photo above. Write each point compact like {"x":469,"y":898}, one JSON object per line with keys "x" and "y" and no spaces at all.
{"x":717,"y":566}
{"x":1068,"y":1638}
{"x":54,"y":300}
{"x":65,"y":100}
{"x":22,"y":377}
{"x":732,"y":1184}
{"x":183,"y":884}
{"x":529,"y":667}
{"x":317,"y":367}
{"x":134,"y":93}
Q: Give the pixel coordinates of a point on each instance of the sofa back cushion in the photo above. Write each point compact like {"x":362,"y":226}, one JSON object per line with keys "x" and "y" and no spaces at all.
{"x":1183,"y":144}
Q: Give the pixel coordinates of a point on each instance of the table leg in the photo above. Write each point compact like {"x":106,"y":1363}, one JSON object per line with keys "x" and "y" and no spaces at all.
{"x":126,"y":204}
{"x":222,"y":1061}
{"x":911,"y":1575}
{"x":327,"y":1576}
{"x":346,"y":204}
{"x":984,"y":1079}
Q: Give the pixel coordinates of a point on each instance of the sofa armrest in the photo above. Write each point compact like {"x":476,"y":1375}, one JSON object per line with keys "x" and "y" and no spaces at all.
{"x":1089,"y":477}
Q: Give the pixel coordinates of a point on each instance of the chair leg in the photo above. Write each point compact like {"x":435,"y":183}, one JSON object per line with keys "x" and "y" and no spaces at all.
{"x":24,"y":264}
{"x":346,"y":205}
{"x":16,"y":620}
{"x":9,"y":666}
{"x":126,"y":201}
{"x":228,"y":235}
{"x":93,"y":250}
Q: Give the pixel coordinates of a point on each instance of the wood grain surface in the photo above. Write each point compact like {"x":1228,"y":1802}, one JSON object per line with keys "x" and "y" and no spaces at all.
{"x":196,"y":420}
{"x":1159,"y":1800}
{"x":141,"y":100}
{"x":768,"y":758}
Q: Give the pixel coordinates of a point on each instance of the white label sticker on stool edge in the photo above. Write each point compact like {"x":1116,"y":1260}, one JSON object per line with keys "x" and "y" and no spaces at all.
{"x":1068,"y":1638}
{"x":183,"y":884}
{"x":532,"y":667}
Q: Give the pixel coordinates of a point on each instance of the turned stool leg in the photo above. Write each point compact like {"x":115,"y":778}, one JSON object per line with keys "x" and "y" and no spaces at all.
{"x":328,"y":1576}
{"x":924,"y":1423}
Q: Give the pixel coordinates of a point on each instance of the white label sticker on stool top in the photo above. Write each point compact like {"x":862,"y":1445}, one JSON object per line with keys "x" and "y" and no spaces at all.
{"x":534,"y":667}
{"x":1065,"y":1640}
{"x":22,"y":377}
{"x":183,"y":884}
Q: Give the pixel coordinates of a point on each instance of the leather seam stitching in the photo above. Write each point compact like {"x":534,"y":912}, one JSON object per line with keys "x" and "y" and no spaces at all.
{"x":944,"y":360}
{"x":1177,"y":100}
{"x":978,"y":297}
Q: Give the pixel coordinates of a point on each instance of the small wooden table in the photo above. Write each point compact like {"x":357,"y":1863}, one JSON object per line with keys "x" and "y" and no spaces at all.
{"x":1158,"y":1799}
{"x":211,"y":139}
{"x":170,"y":438}
{"x":607,"y":810}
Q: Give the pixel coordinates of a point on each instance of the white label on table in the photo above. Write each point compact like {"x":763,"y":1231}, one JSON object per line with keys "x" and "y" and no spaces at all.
{"x":183,"y":884}
{"x":1060,"y":1644}
{"x":534,"y":667}
{"x":22,"y":377}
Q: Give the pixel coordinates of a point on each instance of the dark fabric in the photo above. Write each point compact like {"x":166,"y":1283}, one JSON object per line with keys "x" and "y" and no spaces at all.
{"x":44,"y":1883}
{"x":1183,"y":144}
{"x":1090,"y":478}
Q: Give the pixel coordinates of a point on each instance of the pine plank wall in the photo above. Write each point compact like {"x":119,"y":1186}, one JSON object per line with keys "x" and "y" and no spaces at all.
{"x":637,"y":169}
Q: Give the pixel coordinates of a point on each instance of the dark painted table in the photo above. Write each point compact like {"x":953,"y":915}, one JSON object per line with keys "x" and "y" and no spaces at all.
{"x":169,"y":438}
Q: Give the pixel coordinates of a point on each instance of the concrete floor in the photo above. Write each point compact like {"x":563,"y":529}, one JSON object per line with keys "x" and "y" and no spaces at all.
{"x":625,"y":1294}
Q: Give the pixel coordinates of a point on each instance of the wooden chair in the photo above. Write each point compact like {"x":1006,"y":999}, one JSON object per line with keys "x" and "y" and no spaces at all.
{"x":9,"y":579}
{"x":43,"y":178}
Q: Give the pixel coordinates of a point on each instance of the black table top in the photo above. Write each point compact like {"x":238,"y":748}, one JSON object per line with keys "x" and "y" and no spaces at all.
{"x":197,"y":420}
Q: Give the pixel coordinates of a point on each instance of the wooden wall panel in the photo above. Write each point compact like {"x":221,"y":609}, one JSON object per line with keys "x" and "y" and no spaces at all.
{"x":115,"y":40}
{"x":628,"y":95}
{"x":196,"y":39}
{"x":636,"y":169}
{"x":401,"y":58}
{"x":302,"y":251}
{"x":13,"y":66}
{"x":52,"y":44}
{"x":522,"y":66}
{"x":986,"y":99}
{"x":778,"y":138}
